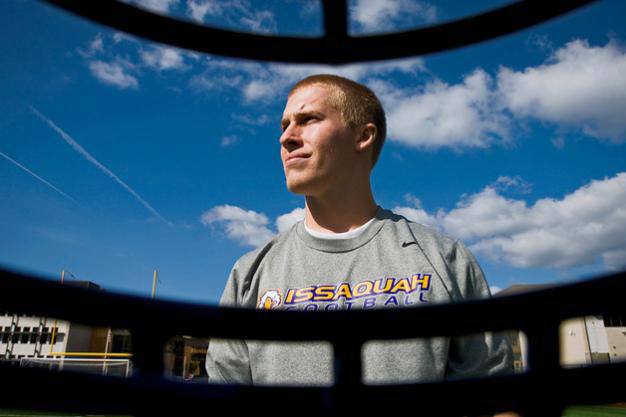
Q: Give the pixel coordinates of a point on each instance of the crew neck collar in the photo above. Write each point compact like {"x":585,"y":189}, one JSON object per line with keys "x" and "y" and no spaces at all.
{"x":342,"y":245}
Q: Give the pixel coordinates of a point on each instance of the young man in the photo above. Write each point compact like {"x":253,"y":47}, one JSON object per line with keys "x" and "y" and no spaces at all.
{"x":349,"y":253}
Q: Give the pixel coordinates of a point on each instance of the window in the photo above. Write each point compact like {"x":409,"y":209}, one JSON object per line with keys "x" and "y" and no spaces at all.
{"x":25,"y":335}
{"x":614,"y":321}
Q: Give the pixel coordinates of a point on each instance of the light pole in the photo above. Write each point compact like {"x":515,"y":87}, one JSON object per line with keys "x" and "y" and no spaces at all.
{"x":154,"y":283}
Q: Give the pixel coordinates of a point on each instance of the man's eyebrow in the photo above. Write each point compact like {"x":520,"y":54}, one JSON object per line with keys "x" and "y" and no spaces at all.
{"x":300,"y":115}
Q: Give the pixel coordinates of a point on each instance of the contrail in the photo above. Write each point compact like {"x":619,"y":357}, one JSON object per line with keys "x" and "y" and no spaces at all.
{"x":95,"y":162}
{"x":8,"y":158}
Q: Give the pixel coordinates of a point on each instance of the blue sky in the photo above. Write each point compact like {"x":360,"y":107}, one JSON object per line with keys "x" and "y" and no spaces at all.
{"x":120,"y":156}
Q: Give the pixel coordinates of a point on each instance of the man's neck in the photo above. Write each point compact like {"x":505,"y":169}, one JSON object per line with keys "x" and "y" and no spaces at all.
{"x":340,"y":212}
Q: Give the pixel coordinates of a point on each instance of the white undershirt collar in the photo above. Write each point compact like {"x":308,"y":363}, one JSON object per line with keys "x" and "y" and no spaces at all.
{"x":339,"y":236}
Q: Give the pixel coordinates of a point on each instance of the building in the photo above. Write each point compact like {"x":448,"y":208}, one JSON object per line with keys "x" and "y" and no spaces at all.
{"x":185,"y":356}
{"x":59,"y":344}
{"x":584,"y":340}
{"x":26,"y":336}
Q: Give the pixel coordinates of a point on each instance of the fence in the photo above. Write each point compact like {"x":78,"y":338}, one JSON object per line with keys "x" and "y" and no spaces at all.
{"x":545,"y":389}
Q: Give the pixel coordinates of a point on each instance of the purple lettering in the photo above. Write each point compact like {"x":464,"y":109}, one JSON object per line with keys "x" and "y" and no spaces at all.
{"x":369,"y":303}
{"x":392,"y":300}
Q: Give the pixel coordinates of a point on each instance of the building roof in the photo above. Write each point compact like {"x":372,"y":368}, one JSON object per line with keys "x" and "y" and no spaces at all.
{"x":83,"y":284}
{"x":522,"y":288}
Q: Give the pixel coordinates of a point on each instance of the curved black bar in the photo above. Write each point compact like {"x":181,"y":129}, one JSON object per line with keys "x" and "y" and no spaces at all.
{"x":93,"y":394}
{"x":25,"y":294}
{"x":331,"y":49}
{"x":538,"y":314}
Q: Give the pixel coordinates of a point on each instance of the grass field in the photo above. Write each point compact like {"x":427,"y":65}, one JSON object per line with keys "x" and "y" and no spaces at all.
{"x":26,"y":413}
{"x":580,"y":411}
{"x":595,"y":411}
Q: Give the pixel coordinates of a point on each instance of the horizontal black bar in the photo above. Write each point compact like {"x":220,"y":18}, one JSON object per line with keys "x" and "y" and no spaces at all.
{"x":94,"y":394}
{"x":333,"y":49}
{"x":25,"y":294}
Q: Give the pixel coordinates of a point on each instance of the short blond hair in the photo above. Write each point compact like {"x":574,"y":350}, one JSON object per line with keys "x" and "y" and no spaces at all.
{"x":357,"y":104}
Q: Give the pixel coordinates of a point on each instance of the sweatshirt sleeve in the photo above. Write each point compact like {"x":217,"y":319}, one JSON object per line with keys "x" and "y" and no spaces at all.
{"x":481,"y":354}
{"x":227,"y":360}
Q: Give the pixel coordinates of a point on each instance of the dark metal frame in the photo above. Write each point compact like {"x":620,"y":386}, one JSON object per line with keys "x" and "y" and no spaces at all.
{"x":544,"y":390}
{"x":335,"y":47}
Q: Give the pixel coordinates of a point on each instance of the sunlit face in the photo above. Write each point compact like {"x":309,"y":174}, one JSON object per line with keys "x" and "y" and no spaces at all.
{"x":317,"y":148}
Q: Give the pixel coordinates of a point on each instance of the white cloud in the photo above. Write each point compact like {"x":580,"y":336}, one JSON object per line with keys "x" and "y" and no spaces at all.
{"x":486,"y":214}
{"x":582,"y":227}
{"x":97,"y":44}
{"x":260,"y":120}
{"x":417,"y":215}
{"x":248,"y":227}
{"x":580,"y":86}
{"x":272,"y":81}
{"x":121,"y":36}
{"x":615,"y":260}
{"x":229,"y":140}
{"x":244,"y":226}
{"x":235,"y":13}
{"x":442,"y":115}
{"x":257,"y":90}
{"x":162,"y":6}
{"x":286,"y":221}
{"x":516,"y":184}
{"x":494,"y":289}
{"x":415,"y":212}
{"x":579,"y":229}
{"x":163,"y":58}
{"x":377,"y":16}
{"x":539,"y":42}
{"x":199,"y":9}
{"x":113,"y":73}
{"x":213,"y":81}
{"x":269,"y":82}
{"x":262,"y":21}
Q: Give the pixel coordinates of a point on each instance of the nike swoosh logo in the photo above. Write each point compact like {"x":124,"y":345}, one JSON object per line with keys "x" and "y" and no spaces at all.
{"x":405,"y":244}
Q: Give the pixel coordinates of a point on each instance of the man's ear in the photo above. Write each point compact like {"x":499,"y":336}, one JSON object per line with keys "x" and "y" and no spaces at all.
{"x":366,"y":138}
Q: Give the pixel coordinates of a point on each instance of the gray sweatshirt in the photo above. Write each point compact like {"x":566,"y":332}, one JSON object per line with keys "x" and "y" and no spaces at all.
{"x":394,"y":263}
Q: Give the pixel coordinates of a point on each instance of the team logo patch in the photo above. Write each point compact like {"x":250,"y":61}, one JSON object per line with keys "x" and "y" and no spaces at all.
{"x":270,"y":299}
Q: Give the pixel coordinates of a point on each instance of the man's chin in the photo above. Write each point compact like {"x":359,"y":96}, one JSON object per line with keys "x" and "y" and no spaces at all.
{"x":299,"y":187}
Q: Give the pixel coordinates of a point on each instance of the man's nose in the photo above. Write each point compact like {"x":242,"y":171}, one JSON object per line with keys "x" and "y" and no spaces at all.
{"x":290,"y":138}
